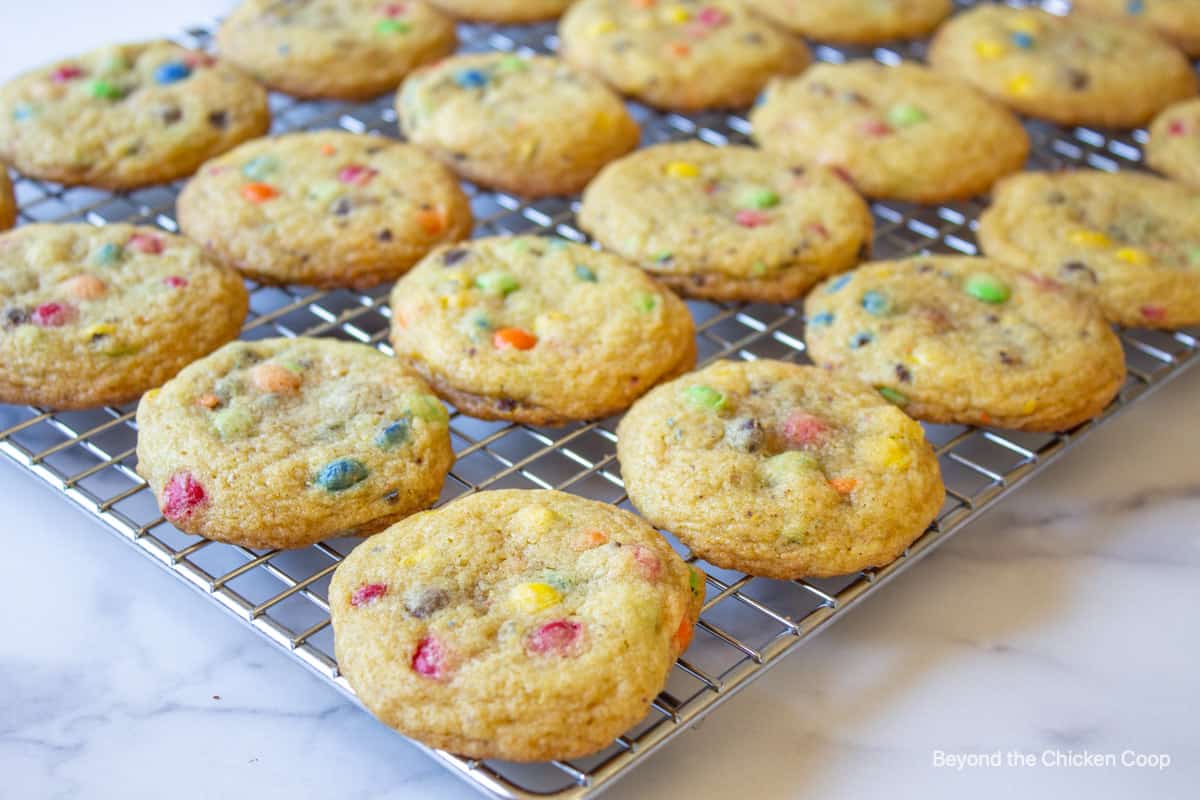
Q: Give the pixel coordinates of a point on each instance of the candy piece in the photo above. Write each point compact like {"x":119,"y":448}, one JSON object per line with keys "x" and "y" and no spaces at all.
{"x":751,"y":219}
{"x":648,"y":564}
{"x":175,"y":281}
{"x":1176,"y":127}
{"x":367,"y":594}
{"x":530,"y":598}
{"x":843,"y":486}
{"x":428,"y":408}
{"x":1088,"y":238}
{"x":357,"y":174}
{"x":586,"y":540}
{"x":682,"y":169}
{"x":172,"y":72}
{"x":758,"y":197}
{"x":839,"y":283}
{"x":876,"y":303}
{"x":704,"y":397}
{"x":987,"y":288}
{"x":233,"y":422}
{"x":513,"y":338}
{"x":108,"y":254}
{"x":340,"y":475}
{"x":470,"y":78}
{"x":861,"y":339}
{"x":275,"y":379}
{"x":145,"y":243}
{"x":259,"y":192}
{"x":1022,"y":40}
{"x":1131,"y":255}
{"x":512,"y":63}
{"x":895,"y":454}
{"x":105,"y":90}
{"x":67,"y":72}
{"x":452,"y":257}
{"x":389,"y":26}
{"x":261,"y":167}
{"x":561,"y":637}
{"x":789,"y":464}
{"x":14,"y":317}
{"x":678,"y":49}
{"x":646,"y":302}
{"x":585,"y":273}
{"x":874,"y":127}
{"x":425,"y":602}
{"x":431,"y":220}
{"x":1019,"y":84}
{"x":209,"y":401}
{"x":1154,"y":313}
{"x":97,"y":332}
{"x":989,"y":49}
{"x":53,"y":315}
{"x":430,"y":659}
{"x":892,"y":396}
{"x":683,"y":635}
{"x":1135,"y":7}
{"x":695,"y":581}
{"x":497,"y":282}
{"x":601,"y":27}
{"x":712,"y":17}
{"x":904,"y":115}
{"x":85,"y":287}
{"x":394,"y":434}
{"x":803,"y":429}
{"x":182,"y":495}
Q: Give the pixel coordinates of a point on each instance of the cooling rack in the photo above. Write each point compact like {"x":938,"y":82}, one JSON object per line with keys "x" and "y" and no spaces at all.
{"x":748,"y":624}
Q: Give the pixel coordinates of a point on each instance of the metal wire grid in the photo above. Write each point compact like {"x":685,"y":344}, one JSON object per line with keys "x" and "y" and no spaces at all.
{"x":748,"y":623}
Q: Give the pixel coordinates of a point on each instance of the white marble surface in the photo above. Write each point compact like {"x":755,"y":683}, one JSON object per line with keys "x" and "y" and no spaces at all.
{"x":1065,"y":620}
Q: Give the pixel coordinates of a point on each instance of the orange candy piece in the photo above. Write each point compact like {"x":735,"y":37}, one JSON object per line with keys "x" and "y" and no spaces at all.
{"x":589,"y":539}
{"x":431,"y":220}
{"x":86,"y":287}
{"x":209,"y":401}
{"x":678,"y":49}
{"x":683,"y":634}
{"x":259,"y":192}
{"x":843,"y":485}
{"x":514,"y":338}
{"x":274,"y":379}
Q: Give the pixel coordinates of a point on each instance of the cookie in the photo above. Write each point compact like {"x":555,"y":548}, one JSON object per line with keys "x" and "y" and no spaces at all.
{"x":531,"y":125}
{"x":347,"y":49}
{"x":856,"y":21}
{"x":779,"y":470}
{"x":684,"y":56}
{"x":522,"y":625}
{"x":127,"y":115}
{"x":902,"y":132}
{"x":1075,"y":70}
{"x":1174,"y":144}
{"x":953,"y":339}
{"x":509,"y":11}
{"x":95,"y":316}
{"x":285,"y":442}
{"x":1130,"y":241}
{"x":326,"y":208}
{"x":540,"y":331}
{"x":1177,"y":21}
{"x":727,"y":223}
{"x":8,"y":203}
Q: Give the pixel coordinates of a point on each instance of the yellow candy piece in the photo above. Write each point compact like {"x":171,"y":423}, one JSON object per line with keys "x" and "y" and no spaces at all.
{"x":531,"y":598}
{"x":535,"y":519}
{"x":601,"y":27}
{"x":989,"y":49}
{"x":150,"y":395}
{"x":1089,"y":238}
{"x":416,"y":557}
{"x":894,"y":454}
{"x":1025,"y":23}
{"x":928,"y":356}
{"x":1019,"y":84}
{"x":1131,"y":255}
{"x":682,"y":169}
{"x":1029,"y":407}
{"x":677,"y":14}
{"x":99,"y":329}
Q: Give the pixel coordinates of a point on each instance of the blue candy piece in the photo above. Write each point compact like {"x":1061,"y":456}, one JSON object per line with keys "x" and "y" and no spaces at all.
{"x":1135,"y":6}
{"x":108,"y":253}
{"x":875,"y":303}
{"x":471,"y":78}
{"x":824,"y":318}
{"x":839,"y":283}
{"x":394,"y":434}
{"x":172,"y":72}
{"x":860,"y":339}
{"x":1022,"y":40}
{"x":337,"y":476}
{"x":23,"y":111}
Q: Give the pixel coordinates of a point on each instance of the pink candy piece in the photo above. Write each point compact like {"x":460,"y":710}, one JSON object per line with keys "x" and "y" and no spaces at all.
{"x":356,"y":174}
{"x":145,"y":243}
{"x":875,"y":127}
{"x":712,"y":17}
{"x":54,"y":315}
{"x":1154,"y":313}
{"x":182,"y":495}
{"x":560,"y":637}
{"x":393,"y":9}
{"x":1176,"y":127}
{"x":430,"y":659}
{"x":748,"y":218}
{"x":804,"y":429}
{"x":648,"y":563}
{"x":175,"y":281}
{"x":367,"y":593}
{"x":817,"y":229}
{"x":66,"y":73}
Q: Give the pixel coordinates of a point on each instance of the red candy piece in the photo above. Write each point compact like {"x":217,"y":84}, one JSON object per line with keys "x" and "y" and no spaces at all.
{"x":66,"y":73}
{"x":875,"y":127}
{"x":175,"y":281}
{"x":54,"y":315}
{"x":560,"y":637}
{"x":818,"y":229}
{"x":1154,"y":313}
{"x":1042,"y":282}
{"x":430,"y":659}
{"x":1176,"y":127}
{"x":182,"y":495}
{"x":751,"y":219}
{"x":145,"y":243}
{"x":356,"y":174}
{"x":367,"y":593}
{"x":712,"y":17}
{"x":648,"y":563}
{"x":805,"y":430}
{"x":393,"y":9}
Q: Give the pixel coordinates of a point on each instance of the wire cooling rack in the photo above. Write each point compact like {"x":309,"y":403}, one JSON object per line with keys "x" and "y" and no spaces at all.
{"x":748,"y":624}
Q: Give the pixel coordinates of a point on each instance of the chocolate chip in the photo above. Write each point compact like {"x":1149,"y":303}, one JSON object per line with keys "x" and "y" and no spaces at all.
{"x":1008,"y":360}
{"x":753,"y":38}
{"x":15,"y":316}
{"x":1073,"y":268}
{"x":855,"y":98}
{"x":1056,"y":198}
{"x":799,"y":171}
{"x":902,"y":374}
{"x":423,"y":603}
{"x":171,"y":115}
{"x":391,"y":497}
{"x":219,"y":119}
{"x":992,"y":318}
{"x":1078,"y":79}
{"x":925,"y":268}
{"x":452,"y":257}
{"x":505,"y":404}
{"x":384,"y":235}
{"x":342,"y":206}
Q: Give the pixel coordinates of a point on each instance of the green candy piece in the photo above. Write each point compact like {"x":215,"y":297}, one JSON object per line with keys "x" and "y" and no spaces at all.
{"x":325,"y":191}
{"x":892,"y":396}
{"x":758,"y":197}
{"x":987,"y":288}
{"x":903,"y":115}
{"x":386,"y":26}
{"x":512,"y":64}
{"x":704,"y":397}
{"x":497,"y":282}
{"x":233,"y":422}
{"x":585,"y":273}
{"x":556,"y":579}
{"x":428,"y":408}
{"x":646,"y":302}
{"x":340,"y":475}
{"x":694,"y":581}
{"x":108,"y":254}
{"x":661,"y":256}
{"x":1194,"y":256}
{"x":789,"y":464}
{"x":105,"y":90}
{"x":758,"y":269}
{"x":261,"y":167}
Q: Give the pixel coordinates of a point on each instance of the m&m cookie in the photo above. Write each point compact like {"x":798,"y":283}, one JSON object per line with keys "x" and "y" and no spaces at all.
{"x":1177,"y":21}
{"x":503,"y":10}
{"x":1174,"y":144}
{"x":856,"y":21}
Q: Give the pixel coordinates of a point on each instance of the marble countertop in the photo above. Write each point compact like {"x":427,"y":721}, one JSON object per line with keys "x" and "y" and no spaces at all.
{"x":1054,"y":639}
